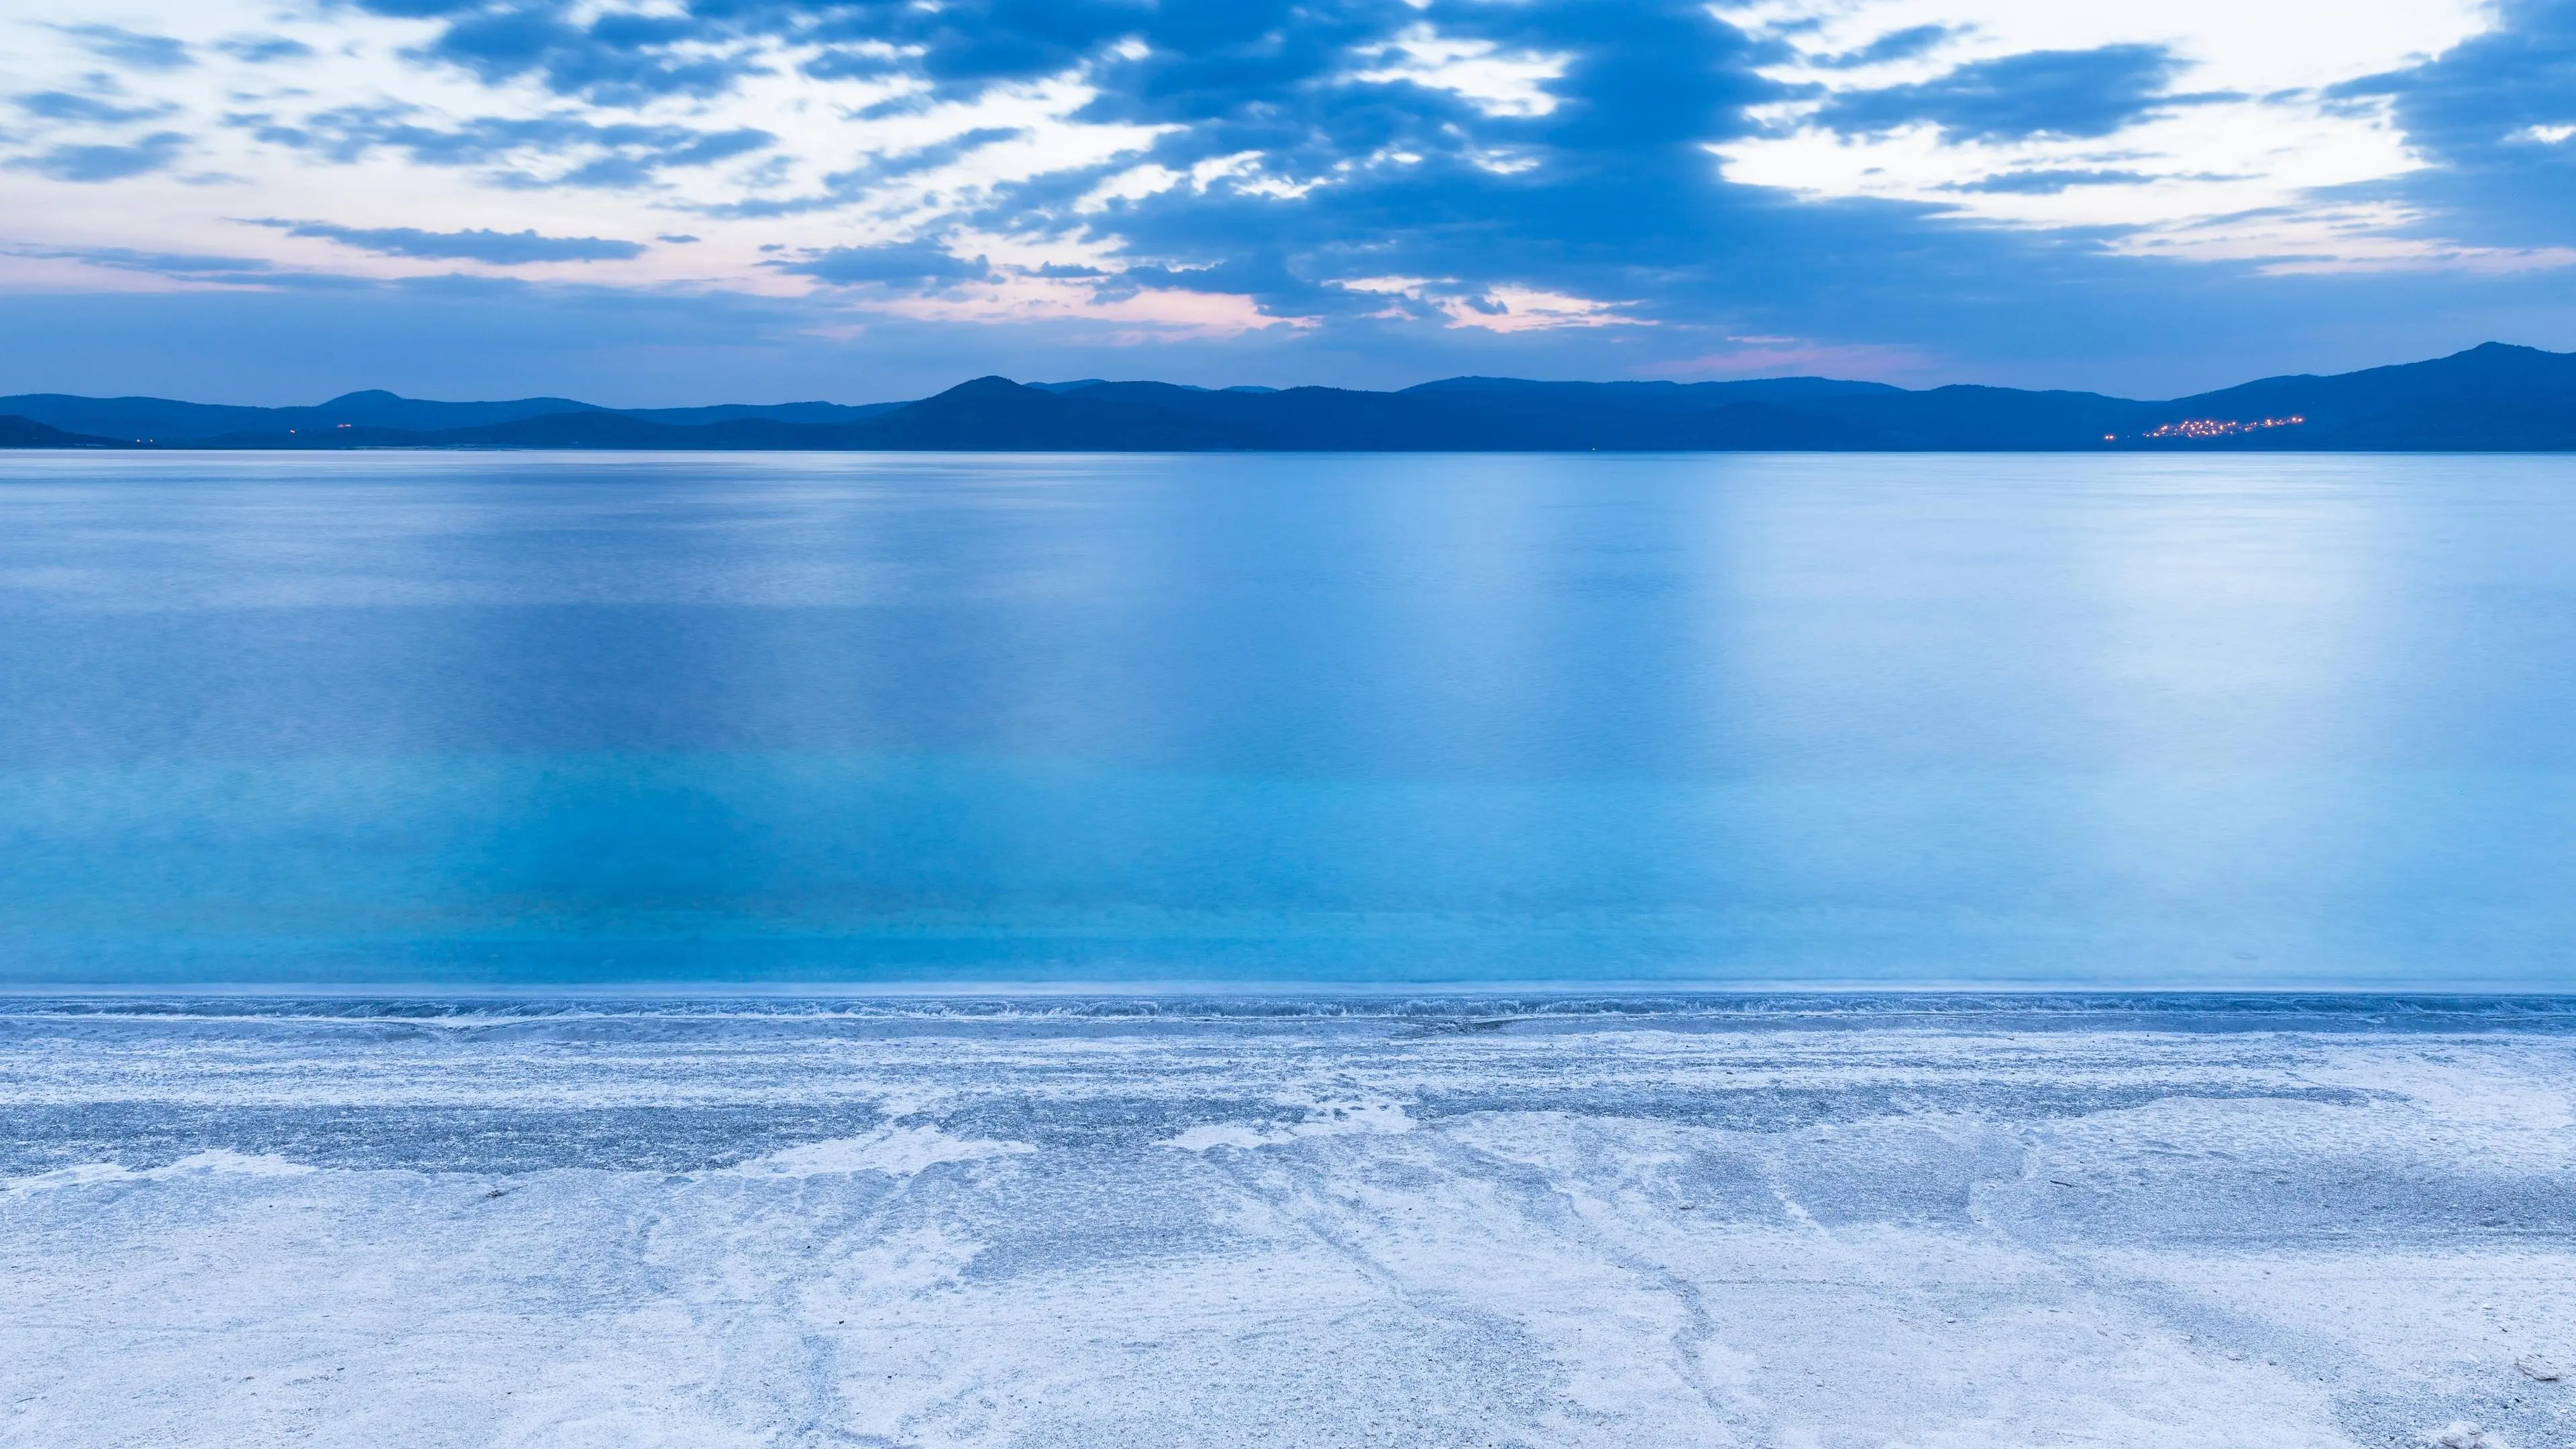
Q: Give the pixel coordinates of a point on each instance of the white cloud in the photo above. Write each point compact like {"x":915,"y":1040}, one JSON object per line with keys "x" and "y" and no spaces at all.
{"x":1495,"y":309}
{"x":2231,"y":178}
{"x":825,"y":128}
{"x":1495,"y":81}
{"x":878,"y":158}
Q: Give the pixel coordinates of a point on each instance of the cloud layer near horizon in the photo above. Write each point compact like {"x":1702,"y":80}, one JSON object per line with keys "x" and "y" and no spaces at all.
{"x":876,"y":196}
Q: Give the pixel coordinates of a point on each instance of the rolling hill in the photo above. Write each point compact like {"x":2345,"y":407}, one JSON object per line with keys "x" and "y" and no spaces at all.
{"x":2492,"y":397}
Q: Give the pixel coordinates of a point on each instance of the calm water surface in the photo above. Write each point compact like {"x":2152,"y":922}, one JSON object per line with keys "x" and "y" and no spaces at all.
{"x":492,"y":720}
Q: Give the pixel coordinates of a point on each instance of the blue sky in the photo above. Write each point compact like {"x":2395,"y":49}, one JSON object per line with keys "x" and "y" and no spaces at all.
{"x":668,"y":201}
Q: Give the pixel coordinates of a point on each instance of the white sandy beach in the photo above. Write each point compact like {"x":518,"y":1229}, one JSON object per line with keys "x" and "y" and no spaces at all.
{"x":1861,"y":1230}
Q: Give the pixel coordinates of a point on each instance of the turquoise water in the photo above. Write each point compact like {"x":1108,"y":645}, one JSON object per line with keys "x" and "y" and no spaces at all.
{"x":505,"y":720}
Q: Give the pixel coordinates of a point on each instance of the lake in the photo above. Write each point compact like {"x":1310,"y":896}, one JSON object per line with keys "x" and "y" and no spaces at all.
{"x":472,"y":721}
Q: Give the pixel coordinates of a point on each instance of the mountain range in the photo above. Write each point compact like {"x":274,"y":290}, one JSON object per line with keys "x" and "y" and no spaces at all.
{"x":2490,"y":398}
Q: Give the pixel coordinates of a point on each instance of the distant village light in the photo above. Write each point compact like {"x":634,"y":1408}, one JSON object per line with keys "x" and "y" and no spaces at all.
{"x":2219,"y":427}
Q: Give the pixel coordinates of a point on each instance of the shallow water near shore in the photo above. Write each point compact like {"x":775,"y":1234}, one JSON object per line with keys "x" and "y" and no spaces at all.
{"x":522,"y":721}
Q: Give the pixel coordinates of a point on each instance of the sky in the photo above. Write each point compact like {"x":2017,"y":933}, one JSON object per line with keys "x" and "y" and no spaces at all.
{"x":657,"y":202}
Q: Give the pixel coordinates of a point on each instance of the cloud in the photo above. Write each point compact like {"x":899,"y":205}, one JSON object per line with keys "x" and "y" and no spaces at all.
{"x":2083,"y":93}
{"x":616,"y":154}
{"x":1606,"y":192}
{"x":2181,"y":329}
{"x":128,"y":48}
{"x":1895,"y":45}
{"x":909,"y":265}
{"x":500,"y":248}
{"x":164,"y":264}
{"x":1080,"y":173}
{"x":619,"y":58}
{"x":846,"y":188}
{"x":1494,"y":309}
{"x":2494,"y":113}
{"x":262,"y":49}
{"x":891,"y":165}
{"x":67,"y":106}
{"x":102,"y":163}
{"x":2048,"y":182}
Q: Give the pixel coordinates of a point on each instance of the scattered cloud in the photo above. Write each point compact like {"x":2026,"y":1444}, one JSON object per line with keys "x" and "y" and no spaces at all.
{"x":165,"y":264}
{"x":566,"y":149}
{"x":2494,"y":115}
{"x":1628,"y":183}
{"x":1895,"y":45}
{"x":2084,"y":93}
{"x":102,"y":163}
{"x":130,"y":48}
{"x":263,"y":49}
{"x":71,"y":106}
{"x":2047,"y":181}
{"x":614,"y":58}
{"x":501,"y":248}
{"x":916,"y":266}
{"x":1493,"y":79}
{"x":1491,"y":309}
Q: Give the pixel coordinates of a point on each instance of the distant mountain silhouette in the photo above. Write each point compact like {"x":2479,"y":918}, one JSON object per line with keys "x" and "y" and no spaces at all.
{"x":2493,"y":397}
{"x":153,"y":420}
{"x":18,"y":432}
